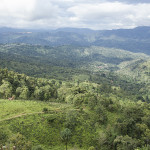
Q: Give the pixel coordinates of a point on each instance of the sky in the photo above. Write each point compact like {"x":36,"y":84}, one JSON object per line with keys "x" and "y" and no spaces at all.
{"x":93,"y":14}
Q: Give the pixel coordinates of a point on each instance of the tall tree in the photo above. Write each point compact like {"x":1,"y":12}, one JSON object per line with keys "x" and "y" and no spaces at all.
{"x":65,"y":136}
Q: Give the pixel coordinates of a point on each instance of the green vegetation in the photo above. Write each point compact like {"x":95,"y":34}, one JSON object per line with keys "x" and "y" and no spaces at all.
{"x":64,"y":62}
{"x":70,"y":114}
{"x":134,"y":40}
{"x":77,"y":64}
{"x":65,"y":136}
{"x":103,"y":124}
{"x":77,"y":98}
{"x":24,"y":87}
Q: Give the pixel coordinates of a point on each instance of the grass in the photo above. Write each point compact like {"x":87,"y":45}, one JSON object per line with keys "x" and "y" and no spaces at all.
{"x":26,"y":117}
{"x":9,"y":109}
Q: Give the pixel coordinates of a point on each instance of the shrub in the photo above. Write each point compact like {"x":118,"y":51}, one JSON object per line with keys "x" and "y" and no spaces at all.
{"x":45,"y":110}
{"x":91,"y":148}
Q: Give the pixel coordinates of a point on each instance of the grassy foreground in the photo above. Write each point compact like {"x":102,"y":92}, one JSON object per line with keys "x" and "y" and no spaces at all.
{"x":9,"y":109}
{"x":37,"y":125}
{"x":26,"y":120}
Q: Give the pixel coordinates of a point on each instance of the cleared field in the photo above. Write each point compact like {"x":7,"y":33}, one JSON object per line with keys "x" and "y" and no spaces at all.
{"x":28,"y":119}
{"x":10,"y":109}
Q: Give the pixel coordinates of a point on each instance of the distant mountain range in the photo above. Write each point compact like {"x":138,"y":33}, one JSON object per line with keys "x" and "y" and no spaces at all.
{"x":134,"y":40}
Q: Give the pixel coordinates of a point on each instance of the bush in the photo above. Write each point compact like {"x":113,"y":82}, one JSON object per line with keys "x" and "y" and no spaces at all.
{"x":3,"y":136}
{"x":91,"y":148}
{"x":45,"y":110}
{"x":51,"y":118}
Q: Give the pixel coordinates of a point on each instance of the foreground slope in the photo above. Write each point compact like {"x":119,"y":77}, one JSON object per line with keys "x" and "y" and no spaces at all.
{"x":105,"y":125}
{"x":97,"y":116}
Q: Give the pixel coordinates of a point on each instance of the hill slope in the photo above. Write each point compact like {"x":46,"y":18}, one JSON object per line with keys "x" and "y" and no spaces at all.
{"x":101,"y":124}
{"x":134,"y":40}
{"x":46,"y":60}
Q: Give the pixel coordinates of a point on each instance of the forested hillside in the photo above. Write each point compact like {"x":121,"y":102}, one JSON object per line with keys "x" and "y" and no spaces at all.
{"x":92,"y":116}
{"x":44,"y":61}
{"x":21,"y":86}
{"x":116,"y":67}
{"x":134,"y":40}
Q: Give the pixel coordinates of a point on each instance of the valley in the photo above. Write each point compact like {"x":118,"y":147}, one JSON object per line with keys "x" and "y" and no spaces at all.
{"x":95,"y":95}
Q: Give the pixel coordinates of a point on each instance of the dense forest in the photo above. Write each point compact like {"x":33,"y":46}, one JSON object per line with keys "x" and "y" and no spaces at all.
{"x":116,"y":67}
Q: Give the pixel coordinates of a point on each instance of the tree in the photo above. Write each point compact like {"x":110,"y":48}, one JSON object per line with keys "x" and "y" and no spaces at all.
{"x":71,"y":119}
{"x":124,"y":143}
{"x":5,"y":89}
{"x":25,"y":93}
{"x":39,"y":93}
{"x":100,"y":114}
{"x":20,"y":142}
{"x":65,"y":136}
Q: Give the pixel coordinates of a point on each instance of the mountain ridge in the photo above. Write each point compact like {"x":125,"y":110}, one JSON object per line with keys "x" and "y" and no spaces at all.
{"x":134,"y":40}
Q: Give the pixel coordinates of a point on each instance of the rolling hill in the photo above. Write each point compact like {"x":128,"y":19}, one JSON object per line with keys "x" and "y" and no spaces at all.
{"x":92,"y":58}
{"x":134,"y":40}
{"x":74,"y":63}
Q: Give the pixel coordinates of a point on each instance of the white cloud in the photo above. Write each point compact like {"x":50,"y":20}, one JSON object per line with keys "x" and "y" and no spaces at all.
{"x":111,"y":15}
{"x":94,"y":14}
{"x":44,"y":9}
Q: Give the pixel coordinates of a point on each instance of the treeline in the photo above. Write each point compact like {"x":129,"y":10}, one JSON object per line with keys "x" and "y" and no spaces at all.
{"x":21,"y":86}
{"x":24,"y":87}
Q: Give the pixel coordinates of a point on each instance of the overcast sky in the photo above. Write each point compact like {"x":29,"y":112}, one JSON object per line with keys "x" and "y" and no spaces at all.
{"x":94,"y":14}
